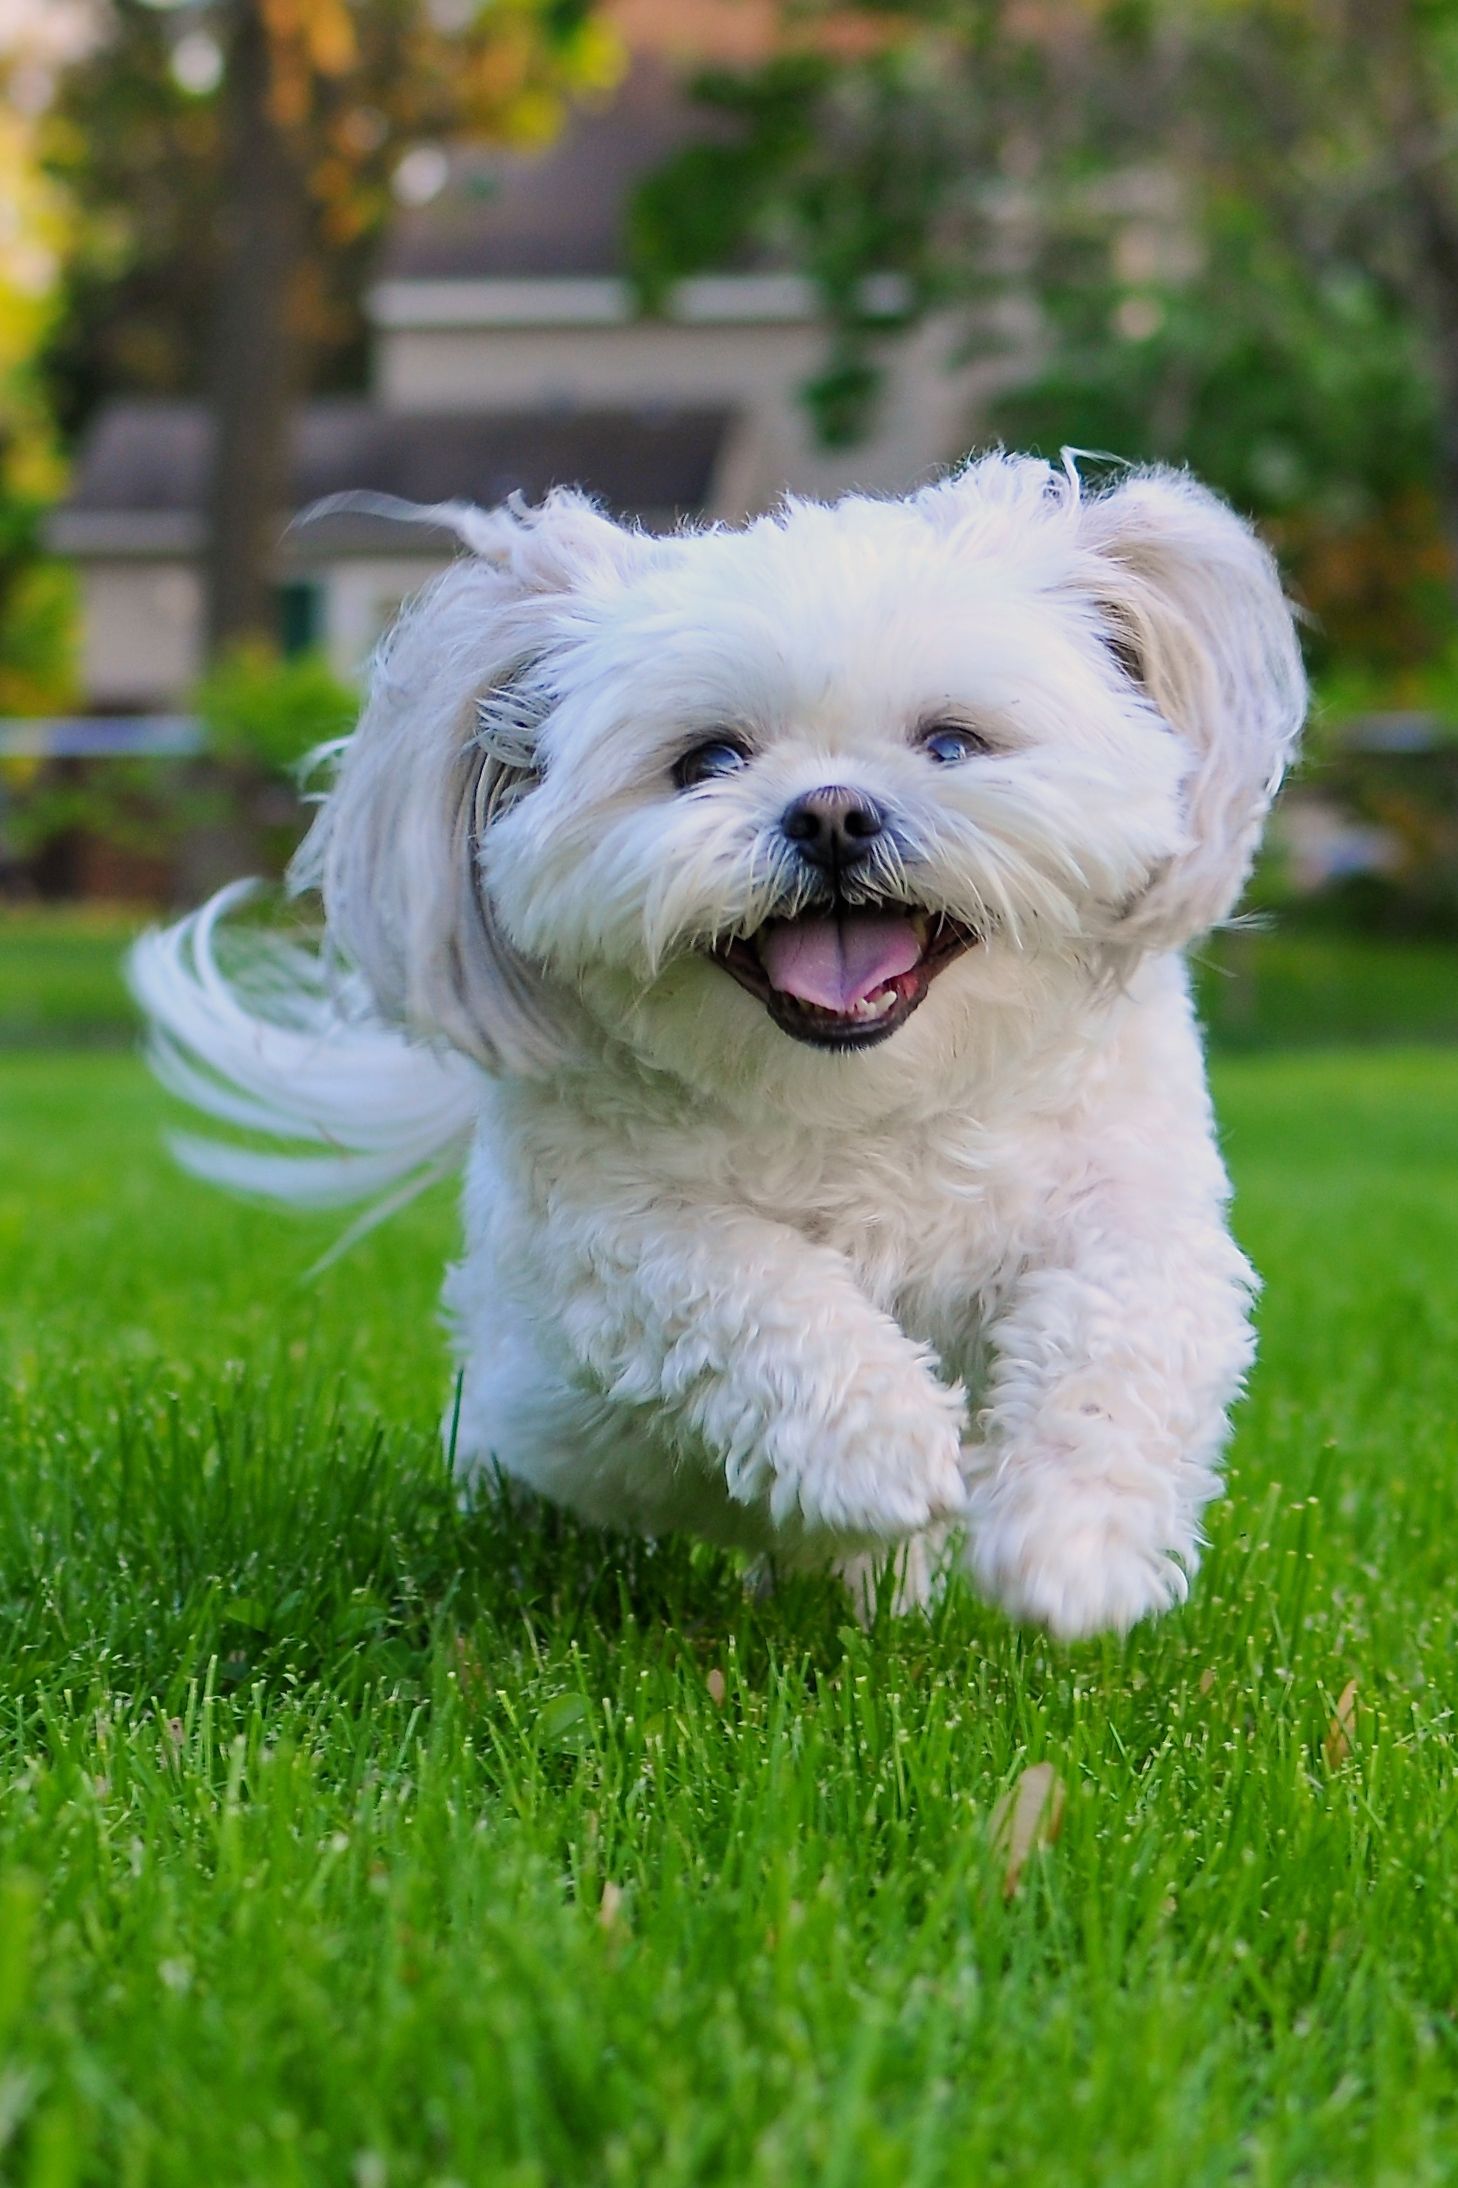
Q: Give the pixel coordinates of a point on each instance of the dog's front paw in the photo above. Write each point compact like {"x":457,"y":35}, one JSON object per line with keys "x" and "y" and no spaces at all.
{"x":1087,"y":1566}
{"x":886,"y":1500}
{"x":879,"y":1472}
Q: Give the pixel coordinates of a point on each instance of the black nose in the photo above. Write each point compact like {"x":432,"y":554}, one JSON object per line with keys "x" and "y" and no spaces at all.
{"x":833,"y":828}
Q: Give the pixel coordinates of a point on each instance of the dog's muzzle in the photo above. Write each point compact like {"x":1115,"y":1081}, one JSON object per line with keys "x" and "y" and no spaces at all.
{"x":845,"y":976}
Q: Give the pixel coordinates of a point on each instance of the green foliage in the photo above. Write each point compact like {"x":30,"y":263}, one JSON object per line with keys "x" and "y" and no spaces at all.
{"x":1184,"y":231}
{"x":262,"y":717}
{"x":36,"y":603}
{"x":1298,"y":388}
{"x":141,"y":155}
{"x":702,"y":208}
{"x":344,"y":1836}
{"x":260,"y":712}
{"x":773,"y":179}
{"x":138,"y":158}
{"x":1302,"y":394}
{"x":1382,"y":747}
{"x":1351,"y":691}
{"x":37,"y":627}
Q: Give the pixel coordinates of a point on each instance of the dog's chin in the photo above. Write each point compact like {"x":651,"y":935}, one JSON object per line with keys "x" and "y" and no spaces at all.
{"x":847,"y":978}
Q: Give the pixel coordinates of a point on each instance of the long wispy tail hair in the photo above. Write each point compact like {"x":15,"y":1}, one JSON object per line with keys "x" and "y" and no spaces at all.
{"x":364,"y":1052}
{"x":260,"y":1032}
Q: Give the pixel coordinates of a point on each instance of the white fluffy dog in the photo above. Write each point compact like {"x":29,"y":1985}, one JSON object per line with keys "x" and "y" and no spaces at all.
{"x":784,"y":925}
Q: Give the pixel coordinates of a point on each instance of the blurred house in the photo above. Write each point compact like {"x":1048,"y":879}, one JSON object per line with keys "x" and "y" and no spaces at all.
{"x":507,"y":356}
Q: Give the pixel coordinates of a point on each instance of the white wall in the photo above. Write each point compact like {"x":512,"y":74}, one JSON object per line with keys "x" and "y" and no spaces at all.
{"x":361,"y":598}
{"x":142,"y":618}
{"x":493,"y":368}
{"x":141,"y":622}
{"x":755,"y":370}
{"x":141,"y":632}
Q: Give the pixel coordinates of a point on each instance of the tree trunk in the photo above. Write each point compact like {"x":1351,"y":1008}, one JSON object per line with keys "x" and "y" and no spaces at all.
{"x":1436,"y":232}
{"x":255,"y":363}
{"x":1391,"y":34}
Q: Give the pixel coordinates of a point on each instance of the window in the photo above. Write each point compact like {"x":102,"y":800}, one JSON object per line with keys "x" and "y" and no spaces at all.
{"x":299,"y":614}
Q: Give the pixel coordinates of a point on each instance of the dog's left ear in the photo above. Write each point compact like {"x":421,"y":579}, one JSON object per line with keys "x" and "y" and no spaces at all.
{"x":1192,"y":607}
{"x":445,"y":745}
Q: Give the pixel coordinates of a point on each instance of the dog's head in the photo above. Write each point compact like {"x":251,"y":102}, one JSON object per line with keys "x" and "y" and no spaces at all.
{"x":815,"y":788}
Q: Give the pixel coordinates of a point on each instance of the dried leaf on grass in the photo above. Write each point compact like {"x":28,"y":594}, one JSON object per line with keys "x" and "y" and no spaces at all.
{"x":1337,"y":1745}
{"x":1027,"y":1817}
{"x":610,"y":1906}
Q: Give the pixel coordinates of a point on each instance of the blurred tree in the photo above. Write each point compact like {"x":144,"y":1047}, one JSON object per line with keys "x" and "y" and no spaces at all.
{"x":1318,"y":142}
{"x":34,"y":226}
{"x":1219,"y":231}
{"x":237,"y":160}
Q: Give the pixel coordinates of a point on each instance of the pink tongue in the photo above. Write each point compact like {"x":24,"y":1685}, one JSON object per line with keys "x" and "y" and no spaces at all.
{"x":837,"y":963}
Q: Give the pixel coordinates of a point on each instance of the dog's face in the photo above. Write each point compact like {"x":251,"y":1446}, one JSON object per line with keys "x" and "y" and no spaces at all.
{"x":790,"y":777}
{"x":808,"y":797}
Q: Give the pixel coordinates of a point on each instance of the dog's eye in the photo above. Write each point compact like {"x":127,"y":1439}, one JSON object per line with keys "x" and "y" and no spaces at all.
{"x":949,"y":745}
{"x":717,"y":756}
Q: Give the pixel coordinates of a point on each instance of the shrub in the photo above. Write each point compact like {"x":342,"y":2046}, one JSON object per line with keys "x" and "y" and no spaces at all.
{"x":265,"y":716}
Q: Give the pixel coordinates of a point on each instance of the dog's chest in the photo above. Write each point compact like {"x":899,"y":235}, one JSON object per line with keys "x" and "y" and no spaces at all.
{"x":936,"y":1219}
{"x":935,"y":1225}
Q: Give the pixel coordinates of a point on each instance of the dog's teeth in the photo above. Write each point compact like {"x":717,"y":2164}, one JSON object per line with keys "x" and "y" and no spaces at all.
{"x":921,"y":927}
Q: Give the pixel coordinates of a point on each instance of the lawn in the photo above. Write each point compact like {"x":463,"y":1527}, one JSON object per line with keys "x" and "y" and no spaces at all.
{"x":1259,"y":985}
{"x":345,"y":1839}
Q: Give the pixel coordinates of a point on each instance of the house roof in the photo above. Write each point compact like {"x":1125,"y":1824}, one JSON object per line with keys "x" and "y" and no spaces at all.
{"x":141,"y":480}
{"x":555,"y":213}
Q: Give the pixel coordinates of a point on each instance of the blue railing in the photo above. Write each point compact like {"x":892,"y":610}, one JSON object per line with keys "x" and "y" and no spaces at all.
{"x":102,"y":736}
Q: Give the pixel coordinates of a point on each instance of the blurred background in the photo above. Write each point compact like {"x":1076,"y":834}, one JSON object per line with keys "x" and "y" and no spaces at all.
{"x":689,"y":254}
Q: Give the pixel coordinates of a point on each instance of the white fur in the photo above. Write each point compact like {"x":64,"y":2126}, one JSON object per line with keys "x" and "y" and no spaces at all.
{"x":975,"y":1279}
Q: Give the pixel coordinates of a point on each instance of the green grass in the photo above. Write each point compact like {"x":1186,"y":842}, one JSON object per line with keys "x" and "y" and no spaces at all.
{"x":60,"y":975}
{"x":1282,"y":986}
{"x":345,"y":1839}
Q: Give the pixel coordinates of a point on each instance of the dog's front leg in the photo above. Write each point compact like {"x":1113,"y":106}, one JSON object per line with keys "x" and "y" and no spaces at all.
{"x":1105,"y":1414}
{"x":762,"y":1357}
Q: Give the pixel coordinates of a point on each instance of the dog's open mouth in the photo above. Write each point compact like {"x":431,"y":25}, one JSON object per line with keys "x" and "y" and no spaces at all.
{"x":847,"y":977}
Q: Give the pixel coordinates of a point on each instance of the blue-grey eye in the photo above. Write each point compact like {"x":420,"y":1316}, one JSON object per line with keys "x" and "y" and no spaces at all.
{"x":715,"y":757}
{"x":948,"y":746}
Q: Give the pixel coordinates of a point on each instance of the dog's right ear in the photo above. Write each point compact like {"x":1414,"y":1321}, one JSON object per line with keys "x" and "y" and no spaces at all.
{"x":1188,"y":602}
{"x":445,"y":744}
{"x":1191,"y":607}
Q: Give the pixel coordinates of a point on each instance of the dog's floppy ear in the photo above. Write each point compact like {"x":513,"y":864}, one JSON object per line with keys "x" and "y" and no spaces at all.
{"x":445,"y":744}
{"x":1194,"y":612}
